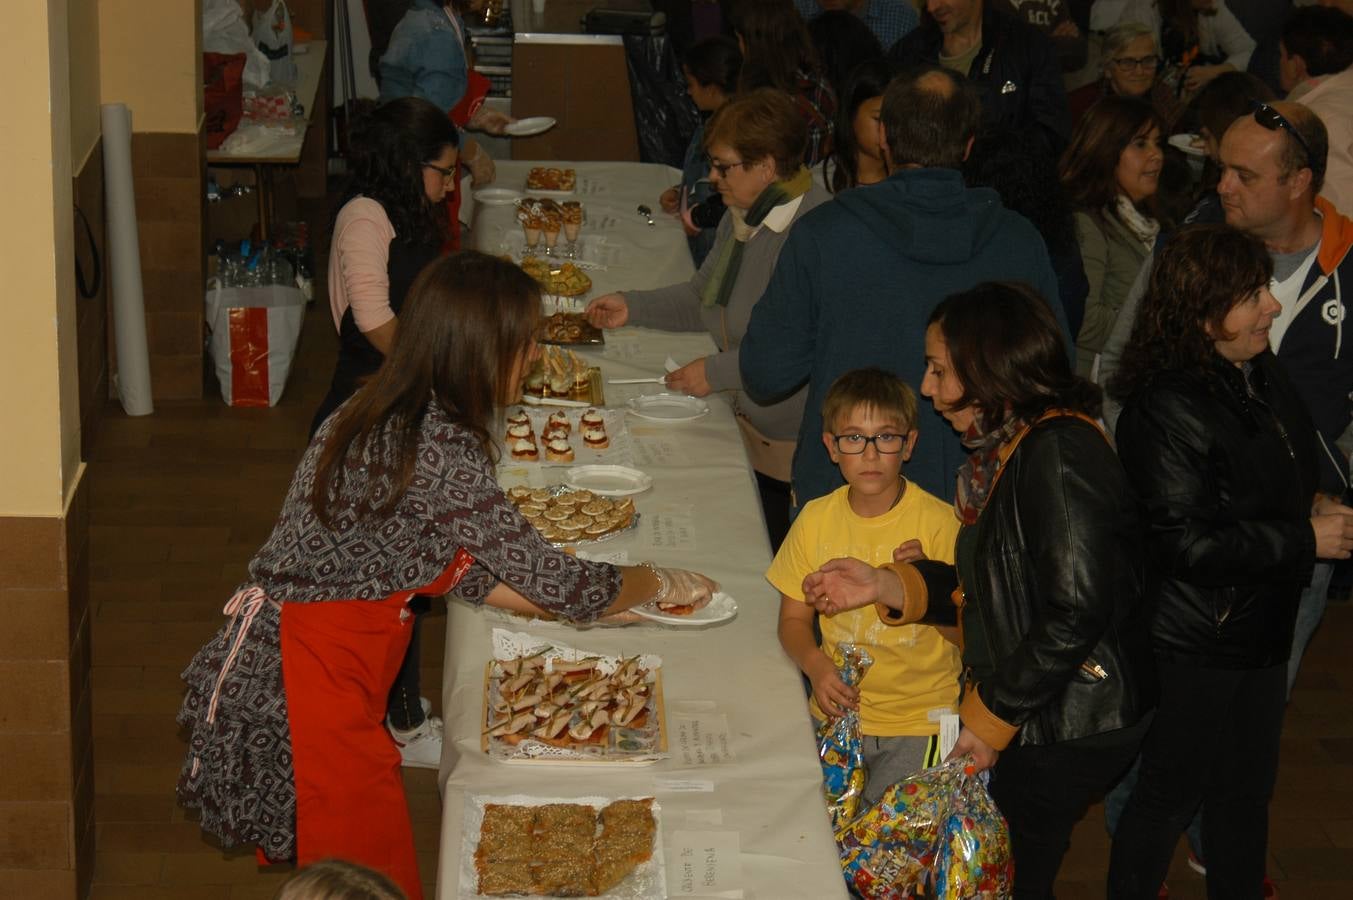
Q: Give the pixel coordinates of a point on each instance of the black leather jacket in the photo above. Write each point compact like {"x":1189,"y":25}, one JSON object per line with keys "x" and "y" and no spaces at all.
{"x":1058,"y":580}
{"x":1226,"y":476}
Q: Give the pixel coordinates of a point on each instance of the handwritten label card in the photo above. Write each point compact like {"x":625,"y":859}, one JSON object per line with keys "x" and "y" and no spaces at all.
{"x":701,"y":739}
{"x":705,"y":864}
{"x":949,"y":727}
{"x":621,"y":346}
{"x":671,"y":785}
{"x":670,"y":529}
{"x":605,"y":222}
{"x":592,"y":187}
{"x":655,"y":448}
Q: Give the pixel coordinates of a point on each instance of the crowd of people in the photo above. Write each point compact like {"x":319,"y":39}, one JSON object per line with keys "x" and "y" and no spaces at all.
{"x":1105,"y":544}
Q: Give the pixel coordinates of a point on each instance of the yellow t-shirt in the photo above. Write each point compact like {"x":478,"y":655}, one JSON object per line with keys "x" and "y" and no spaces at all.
{"x":915,"y":671}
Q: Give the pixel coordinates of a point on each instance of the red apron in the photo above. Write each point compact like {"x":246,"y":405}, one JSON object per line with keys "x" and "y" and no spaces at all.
{"x":339,"y":659}
{"x":476,"y":89}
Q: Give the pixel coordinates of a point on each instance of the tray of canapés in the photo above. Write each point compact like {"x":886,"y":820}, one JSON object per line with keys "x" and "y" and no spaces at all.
{"x":546,"y":704}
{"x":520,"y":845}
{"x":566,"y":436}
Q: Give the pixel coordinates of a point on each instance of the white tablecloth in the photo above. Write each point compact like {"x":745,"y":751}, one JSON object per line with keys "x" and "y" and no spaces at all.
{"x":770,"y":793}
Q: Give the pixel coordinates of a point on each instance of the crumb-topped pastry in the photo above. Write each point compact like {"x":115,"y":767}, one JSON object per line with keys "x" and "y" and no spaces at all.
{"x":596,"y":438}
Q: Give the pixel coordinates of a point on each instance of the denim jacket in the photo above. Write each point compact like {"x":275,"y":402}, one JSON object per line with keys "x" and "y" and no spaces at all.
{"x":425,"y":57}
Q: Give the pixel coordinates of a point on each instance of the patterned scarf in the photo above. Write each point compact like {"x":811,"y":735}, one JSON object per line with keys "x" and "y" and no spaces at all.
{"x":978,"y":473}
{"x":719,"y":287}
{"x":1142,"y":227}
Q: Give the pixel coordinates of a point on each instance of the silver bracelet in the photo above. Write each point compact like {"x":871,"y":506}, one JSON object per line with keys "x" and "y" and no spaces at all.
{"x":664,"y":584}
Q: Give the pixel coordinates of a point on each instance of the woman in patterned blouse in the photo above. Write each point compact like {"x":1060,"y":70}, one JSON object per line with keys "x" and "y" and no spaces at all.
{"x":395,"y":497}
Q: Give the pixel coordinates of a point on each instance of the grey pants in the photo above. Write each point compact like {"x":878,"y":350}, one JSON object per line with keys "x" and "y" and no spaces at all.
{"x":888,"y":760}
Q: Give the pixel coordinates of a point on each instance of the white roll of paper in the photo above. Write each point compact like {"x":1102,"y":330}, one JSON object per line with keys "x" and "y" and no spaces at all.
{"x":124,"y":263}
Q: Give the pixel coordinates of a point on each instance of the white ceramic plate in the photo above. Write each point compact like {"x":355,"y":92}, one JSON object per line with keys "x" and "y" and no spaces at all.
{"x":529,"y":126}
{"x":721,"y":608}
{"x":1185,"y":143}
{"x":497,"y":196}
{"x":608,"y":481}
{"x":668,"y":407}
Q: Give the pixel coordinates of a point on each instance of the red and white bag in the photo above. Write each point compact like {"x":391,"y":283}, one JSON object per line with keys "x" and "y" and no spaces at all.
{"x":254,"y":333}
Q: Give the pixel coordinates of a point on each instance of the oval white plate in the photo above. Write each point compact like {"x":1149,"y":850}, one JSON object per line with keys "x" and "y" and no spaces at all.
{"x":668,"y":407}
{"x":497,"y":196}
{"x":529,"y":126}
{"x":721,"y":608}
{"x":1185,"y":142}
{"x":608,"y":481}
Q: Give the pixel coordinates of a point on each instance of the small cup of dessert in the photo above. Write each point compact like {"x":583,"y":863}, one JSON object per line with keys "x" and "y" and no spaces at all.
{"x":559,"y":451}
{"x":525,"y":450}
{"x":551,"y":222}
{"x":596,"y":438}
{"x":582,"y":383}
{"x":573,"y":225}
{"x":560,"y":384}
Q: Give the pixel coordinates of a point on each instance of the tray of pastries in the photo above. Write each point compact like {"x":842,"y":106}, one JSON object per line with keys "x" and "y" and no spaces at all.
{"x":569,"y":328}
{"x":565,"y":516}
{"x":551,"y":179}
{"x":566,"y":436}
{"x":564,"y":280}
{"x":564,"y":847}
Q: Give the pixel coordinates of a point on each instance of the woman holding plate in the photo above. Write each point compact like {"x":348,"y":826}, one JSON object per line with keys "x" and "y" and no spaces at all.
{"x":395,"y":498}
{"x":755,"y":149}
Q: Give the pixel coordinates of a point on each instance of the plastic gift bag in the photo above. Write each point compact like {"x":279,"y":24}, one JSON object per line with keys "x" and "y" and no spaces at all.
{"x":840,"y":745}
{"x":935,"y":834}
{"x":254,"y":333}
{"x":272,"y":33}
{"x":224,"y":32}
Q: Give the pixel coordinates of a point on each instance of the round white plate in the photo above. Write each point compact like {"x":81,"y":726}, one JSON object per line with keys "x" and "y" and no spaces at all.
{"x":668,"y":407}
{"x":529,"y":126}
{"x":1185,"y":142}
{"x":721,"y":608}
{"x":608,"y":481}
{"x":497,"y":196}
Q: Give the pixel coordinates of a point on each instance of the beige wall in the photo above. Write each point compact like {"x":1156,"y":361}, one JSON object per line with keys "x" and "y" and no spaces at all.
{"x":82,"y":26}
{"x":40,"y":446}
{"x":150,"y":58}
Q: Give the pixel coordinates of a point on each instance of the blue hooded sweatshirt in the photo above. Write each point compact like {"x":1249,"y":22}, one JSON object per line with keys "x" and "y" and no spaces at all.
{"x":854,"y":286}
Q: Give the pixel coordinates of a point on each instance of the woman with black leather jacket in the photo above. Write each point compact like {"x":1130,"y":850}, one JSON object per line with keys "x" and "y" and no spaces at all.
{"x":1050,"y":567}
{"x":1221,"y":451}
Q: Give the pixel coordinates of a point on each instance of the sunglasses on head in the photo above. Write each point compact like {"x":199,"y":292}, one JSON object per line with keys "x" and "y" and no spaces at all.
{"x":1273,"y":120}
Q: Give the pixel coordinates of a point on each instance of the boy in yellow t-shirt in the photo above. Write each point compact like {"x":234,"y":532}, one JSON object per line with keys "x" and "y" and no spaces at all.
{"x":871,"y":417}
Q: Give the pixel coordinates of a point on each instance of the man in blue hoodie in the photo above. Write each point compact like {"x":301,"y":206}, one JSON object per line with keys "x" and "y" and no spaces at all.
{"x":858,"y":277}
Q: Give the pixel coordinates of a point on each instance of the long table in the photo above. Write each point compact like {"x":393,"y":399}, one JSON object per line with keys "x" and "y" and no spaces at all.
{"x":765,"y":797}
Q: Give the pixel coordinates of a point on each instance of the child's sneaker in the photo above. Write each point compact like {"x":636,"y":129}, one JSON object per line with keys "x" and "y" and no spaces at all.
{"x":420,"y":747}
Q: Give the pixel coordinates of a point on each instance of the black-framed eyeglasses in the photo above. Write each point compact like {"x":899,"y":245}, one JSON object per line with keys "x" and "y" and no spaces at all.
{"x":1273,"y":120}
{"x":447,"y":174}
{"x":854,"y":444}
{"x":1137,"y":62}
{"x":723,"y":167}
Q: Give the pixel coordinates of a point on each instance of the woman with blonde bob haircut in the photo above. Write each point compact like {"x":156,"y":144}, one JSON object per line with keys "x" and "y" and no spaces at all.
{"x":755,"y":147}
{"x":395,"y":498}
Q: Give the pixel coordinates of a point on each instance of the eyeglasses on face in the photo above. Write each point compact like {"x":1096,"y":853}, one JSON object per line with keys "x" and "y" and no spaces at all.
{"x":1273,"y":120}
{"x":447,"y":174}
{"x":1137,"y":62}
{"x":854,"y":444}
{"x":723,"y":167}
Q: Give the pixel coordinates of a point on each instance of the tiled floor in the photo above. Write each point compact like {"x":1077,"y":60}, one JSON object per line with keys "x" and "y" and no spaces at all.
{"x":181,"y":499}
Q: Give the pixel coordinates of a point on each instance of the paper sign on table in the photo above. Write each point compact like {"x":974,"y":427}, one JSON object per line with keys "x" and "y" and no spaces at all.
{"x":592,"y":187}
{"x":624,"y":347}
{"x":704,"y":817}
{"x":700,"y":739}
{"x":669,"y":785}
{"x":705,"y":864}
{"x":670,"y":529}
{"x":656,"y":447}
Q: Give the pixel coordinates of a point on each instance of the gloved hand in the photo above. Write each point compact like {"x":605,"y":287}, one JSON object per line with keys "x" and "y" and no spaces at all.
{"x":678,"y":588}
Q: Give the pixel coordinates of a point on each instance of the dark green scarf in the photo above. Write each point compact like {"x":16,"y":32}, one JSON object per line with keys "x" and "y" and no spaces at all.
{"x":719,"y":288}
